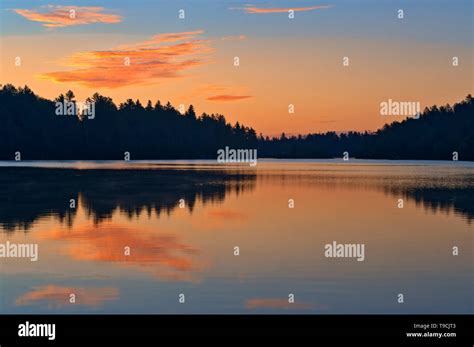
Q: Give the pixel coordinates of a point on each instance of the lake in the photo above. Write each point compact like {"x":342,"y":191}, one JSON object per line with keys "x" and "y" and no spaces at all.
{"x":202,"y":237}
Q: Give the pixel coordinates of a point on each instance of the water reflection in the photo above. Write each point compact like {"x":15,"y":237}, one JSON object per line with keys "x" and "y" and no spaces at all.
{"x":31,"y":193}
{"x":129,"y":247}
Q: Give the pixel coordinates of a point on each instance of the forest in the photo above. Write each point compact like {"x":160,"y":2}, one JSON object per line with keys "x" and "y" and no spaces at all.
{"x":31,"y":126}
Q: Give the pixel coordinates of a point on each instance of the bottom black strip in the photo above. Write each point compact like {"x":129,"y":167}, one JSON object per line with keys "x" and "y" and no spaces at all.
{"x":406,"y":329}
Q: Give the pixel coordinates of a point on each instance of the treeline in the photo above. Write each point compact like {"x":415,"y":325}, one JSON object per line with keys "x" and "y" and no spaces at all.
{"x":435,"y":135}
{"x":30,"y":125}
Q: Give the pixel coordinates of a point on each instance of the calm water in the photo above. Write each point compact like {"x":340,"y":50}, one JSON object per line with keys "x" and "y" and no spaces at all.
{"x":188,"y":246}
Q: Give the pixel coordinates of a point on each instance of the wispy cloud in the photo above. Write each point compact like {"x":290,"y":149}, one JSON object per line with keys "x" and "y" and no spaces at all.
{"x":62,"y":16}
{"x":57,"y":296}
{"x":259,"y":10}
{"x":227,"y":98}
{"x":164,"y":38}
{"x":173,"y":37}
{"x":161,"y":57}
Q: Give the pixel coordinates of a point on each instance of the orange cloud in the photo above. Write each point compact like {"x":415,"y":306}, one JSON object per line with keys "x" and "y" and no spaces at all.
{"x":164,"y":38}
{"x":141,"y":63}
{"x":257,"y":10}
{"x":203,"y":90}
{"x":62,"y":16}
{"x":173,"y":37}
{"x":227,"y":98}
{"x":253,"y":304}
{"x":57,"y":296}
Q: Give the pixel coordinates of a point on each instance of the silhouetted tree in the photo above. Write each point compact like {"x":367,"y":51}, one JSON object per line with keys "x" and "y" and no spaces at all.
{"x":190,"y":113}
{"x":29,"y":124}
{"x":69,"y":96}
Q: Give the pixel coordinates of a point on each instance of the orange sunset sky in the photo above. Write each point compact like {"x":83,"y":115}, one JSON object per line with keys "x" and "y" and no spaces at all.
{"x":283,"y":61}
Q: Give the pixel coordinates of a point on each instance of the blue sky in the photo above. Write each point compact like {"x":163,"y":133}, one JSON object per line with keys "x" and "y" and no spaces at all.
{"x":434,"y":20}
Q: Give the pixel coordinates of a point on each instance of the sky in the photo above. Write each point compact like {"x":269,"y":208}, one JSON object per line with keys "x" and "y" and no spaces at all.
{"x":144,"y":50}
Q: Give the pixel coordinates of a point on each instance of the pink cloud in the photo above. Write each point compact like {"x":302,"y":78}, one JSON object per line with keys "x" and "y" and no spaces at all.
{"x":259,"y":10}
{"x":62,"y":16}
{"x":228,"y":98}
